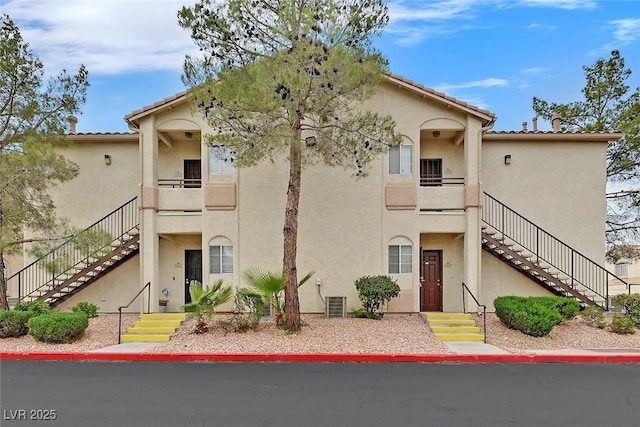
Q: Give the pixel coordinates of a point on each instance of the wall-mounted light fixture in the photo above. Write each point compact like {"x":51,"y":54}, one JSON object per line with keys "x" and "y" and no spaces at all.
{"x":436,"y":133}
{"x":310,"y":141}
{"x":188,"y":135}
{"x":507,"y":159}
{"x":107,"y":159}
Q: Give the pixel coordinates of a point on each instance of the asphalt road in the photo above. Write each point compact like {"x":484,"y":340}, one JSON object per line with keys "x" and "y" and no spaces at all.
{"x":317,"y":394}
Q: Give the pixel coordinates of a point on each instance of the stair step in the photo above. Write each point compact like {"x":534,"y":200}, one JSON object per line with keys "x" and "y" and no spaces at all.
{"x":455,"y":329}
{"x":460,"y":337}
{"x":442,"y":322}
{"x":157,"y":323}
{"x":152,"y":330}
{"x":162,"y":316}
{"x":438,"y":315}
{"x":145,"y":338}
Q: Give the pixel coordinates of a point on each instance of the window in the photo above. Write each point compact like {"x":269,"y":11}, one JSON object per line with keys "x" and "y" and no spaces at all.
{"x":401,"y":160}
{"x":220,"y":259}
{"x":400,"y":259}
{"x":621,"y":269}
{"x":430,"y":172}
{"x":220,"y":160}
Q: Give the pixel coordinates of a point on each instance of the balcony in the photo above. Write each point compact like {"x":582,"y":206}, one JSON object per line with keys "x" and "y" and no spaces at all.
{"x":439,"y":194}
{"x":182,"y":195}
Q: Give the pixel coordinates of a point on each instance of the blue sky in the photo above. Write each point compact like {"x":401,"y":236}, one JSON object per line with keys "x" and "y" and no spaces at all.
{"x":496,"y":54}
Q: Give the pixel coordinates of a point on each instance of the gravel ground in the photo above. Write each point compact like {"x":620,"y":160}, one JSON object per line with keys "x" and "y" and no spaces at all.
{"x":102,"y":332}
{"x":394,"y":334}
{"x":575,"y":334}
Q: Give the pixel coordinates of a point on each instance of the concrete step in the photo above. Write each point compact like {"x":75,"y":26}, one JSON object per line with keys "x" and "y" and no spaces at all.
{"x":145,"y":338}
{"x":154,"y":327}
{"x":454,"y":327}
{"x":157,"y":323}
{"x":152,"y":330}
{"x":459,"y":337}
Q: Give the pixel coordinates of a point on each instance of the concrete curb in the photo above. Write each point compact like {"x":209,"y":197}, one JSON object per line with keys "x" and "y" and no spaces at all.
{"x":319,"y":357}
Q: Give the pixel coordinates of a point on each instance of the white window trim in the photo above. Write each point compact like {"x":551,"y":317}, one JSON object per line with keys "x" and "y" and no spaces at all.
{"x":225,"y":259}
{"x":402,"y":267}
{"x":220,"y":160}
{"x":401,"y":160}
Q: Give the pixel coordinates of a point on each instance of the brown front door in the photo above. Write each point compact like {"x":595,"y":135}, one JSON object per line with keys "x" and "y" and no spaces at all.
{"x":431,"y":276}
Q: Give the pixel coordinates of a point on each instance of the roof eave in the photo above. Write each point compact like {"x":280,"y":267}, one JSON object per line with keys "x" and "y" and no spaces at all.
{"x":553,"y":136}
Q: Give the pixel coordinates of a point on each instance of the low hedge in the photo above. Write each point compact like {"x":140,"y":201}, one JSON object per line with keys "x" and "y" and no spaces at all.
{"x":58,"y":327}
{"x":14,"y":323}
{"x":37,"y":306}
{"x":535,"y":316}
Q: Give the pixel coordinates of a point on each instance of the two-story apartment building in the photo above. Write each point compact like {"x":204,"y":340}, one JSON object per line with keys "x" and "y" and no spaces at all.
{"x":517,"y":212}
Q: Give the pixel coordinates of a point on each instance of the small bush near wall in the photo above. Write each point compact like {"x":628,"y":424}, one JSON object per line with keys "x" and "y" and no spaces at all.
{"x":91,"y":310}
{"x":374,"y":291}
{"x":14,"y":323}
{"x":36,"y":306}
{"x":623,"y":325}
{"x":631,"y":305}
{"x":526,"y":315}
{"x":594,"y":316}
{"x":58,"y":327}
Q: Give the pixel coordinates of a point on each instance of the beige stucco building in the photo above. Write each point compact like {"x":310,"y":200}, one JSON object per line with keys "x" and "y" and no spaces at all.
{"x":430,"y":213}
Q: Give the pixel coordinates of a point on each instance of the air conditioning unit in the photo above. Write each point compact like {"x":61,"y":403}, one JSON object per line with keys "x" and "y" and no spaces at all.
{"x":336,"y":307}
{"x":269,"y":311}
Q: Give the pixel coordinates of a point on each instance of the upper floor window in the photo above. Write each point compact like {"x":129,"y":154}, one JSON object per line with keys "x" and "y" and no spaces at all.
{"x":220,"y":160}
{"x":621,"y":269}
{"x":430,"y":172}
{"x":401,"y":159}
{"x":220,"y":259}
{"x":400,"y":259}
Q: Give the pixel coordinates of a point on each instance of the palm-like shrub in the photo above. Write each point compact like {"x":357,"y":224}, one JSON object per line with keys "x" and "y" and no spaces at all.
{"x":204,"y":300}
{"x":269,"y":287}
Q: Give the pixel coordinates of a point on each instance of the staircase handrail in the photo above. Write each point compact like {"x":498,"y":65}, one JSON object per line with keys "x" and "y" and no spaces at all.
{"x":132,"y":222}
{"x":484,"y":309}
{"x":148,"y":287}
{"x":540,"y":232}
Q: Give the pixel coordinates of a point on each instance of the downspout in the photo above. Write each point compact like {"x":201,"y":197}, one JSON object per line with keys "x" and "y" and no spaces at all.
{"x":481,"y":132}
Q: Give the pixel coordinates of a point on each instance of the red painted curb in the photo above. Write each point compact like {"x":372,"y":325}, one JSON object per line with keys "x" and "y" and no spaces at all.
{"x":319,"y":357}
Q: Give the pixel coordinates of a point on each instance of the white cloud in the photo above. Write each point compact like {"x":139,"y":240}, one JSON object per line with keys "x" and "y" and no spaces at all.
{"x":108,"y":36}
{"x":534,"y":70}
{"x":488,"y":82}
{"x":559,"y":4}
{"x":627,"y":30}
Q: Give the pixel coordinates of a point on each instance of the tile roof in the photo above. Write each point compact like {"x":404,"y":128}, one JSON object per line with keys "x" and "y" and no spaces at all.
{"x":181,"y":96}
{"x":441,"y":95}
{"x":550,"y":132}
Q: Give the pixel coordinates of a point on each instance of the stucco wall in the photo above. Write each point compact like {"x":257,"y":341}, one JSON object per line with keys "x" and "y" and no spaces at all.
{"x":112,"y":290}
{"x":558,"y":185}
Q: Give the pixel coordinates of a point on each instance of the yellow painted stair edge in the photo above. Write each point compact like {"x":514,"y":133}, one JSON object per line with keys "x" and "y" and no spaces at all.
{"x":455,"y":329}
{"x":460,"y":337}
{"x":145,"y":338}
{"x":439,"y":315}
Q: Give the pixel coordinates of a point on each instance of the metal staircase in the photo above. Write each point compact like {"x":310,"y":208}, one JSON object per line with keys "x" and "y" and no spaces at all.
{"x":68,"y":268}
{"x":542,"y":257}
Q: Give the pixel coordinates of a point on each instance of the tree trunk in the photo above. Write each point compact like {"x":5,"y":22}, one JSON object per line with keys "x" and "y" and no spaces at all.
{"x":4,"y":304}
{"x":292,"y":304}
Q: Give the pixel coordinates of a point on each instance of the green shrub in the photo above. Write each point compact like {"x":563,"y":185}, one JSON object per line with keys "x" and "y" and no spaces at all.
{"x":37,"y":306}
{"x":631,"y":304}
{"x":594,"y":316}
{"x":568,"y":308}
{"x":14,"y":323}
{"x":247,"y":312}
{"x":374,"y":291}
{"x":358,"y":313}
{"x":526,"y":315}
{"x":58,"y":327}
{"x":91,"y":310}
{"x":623,"y":325}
